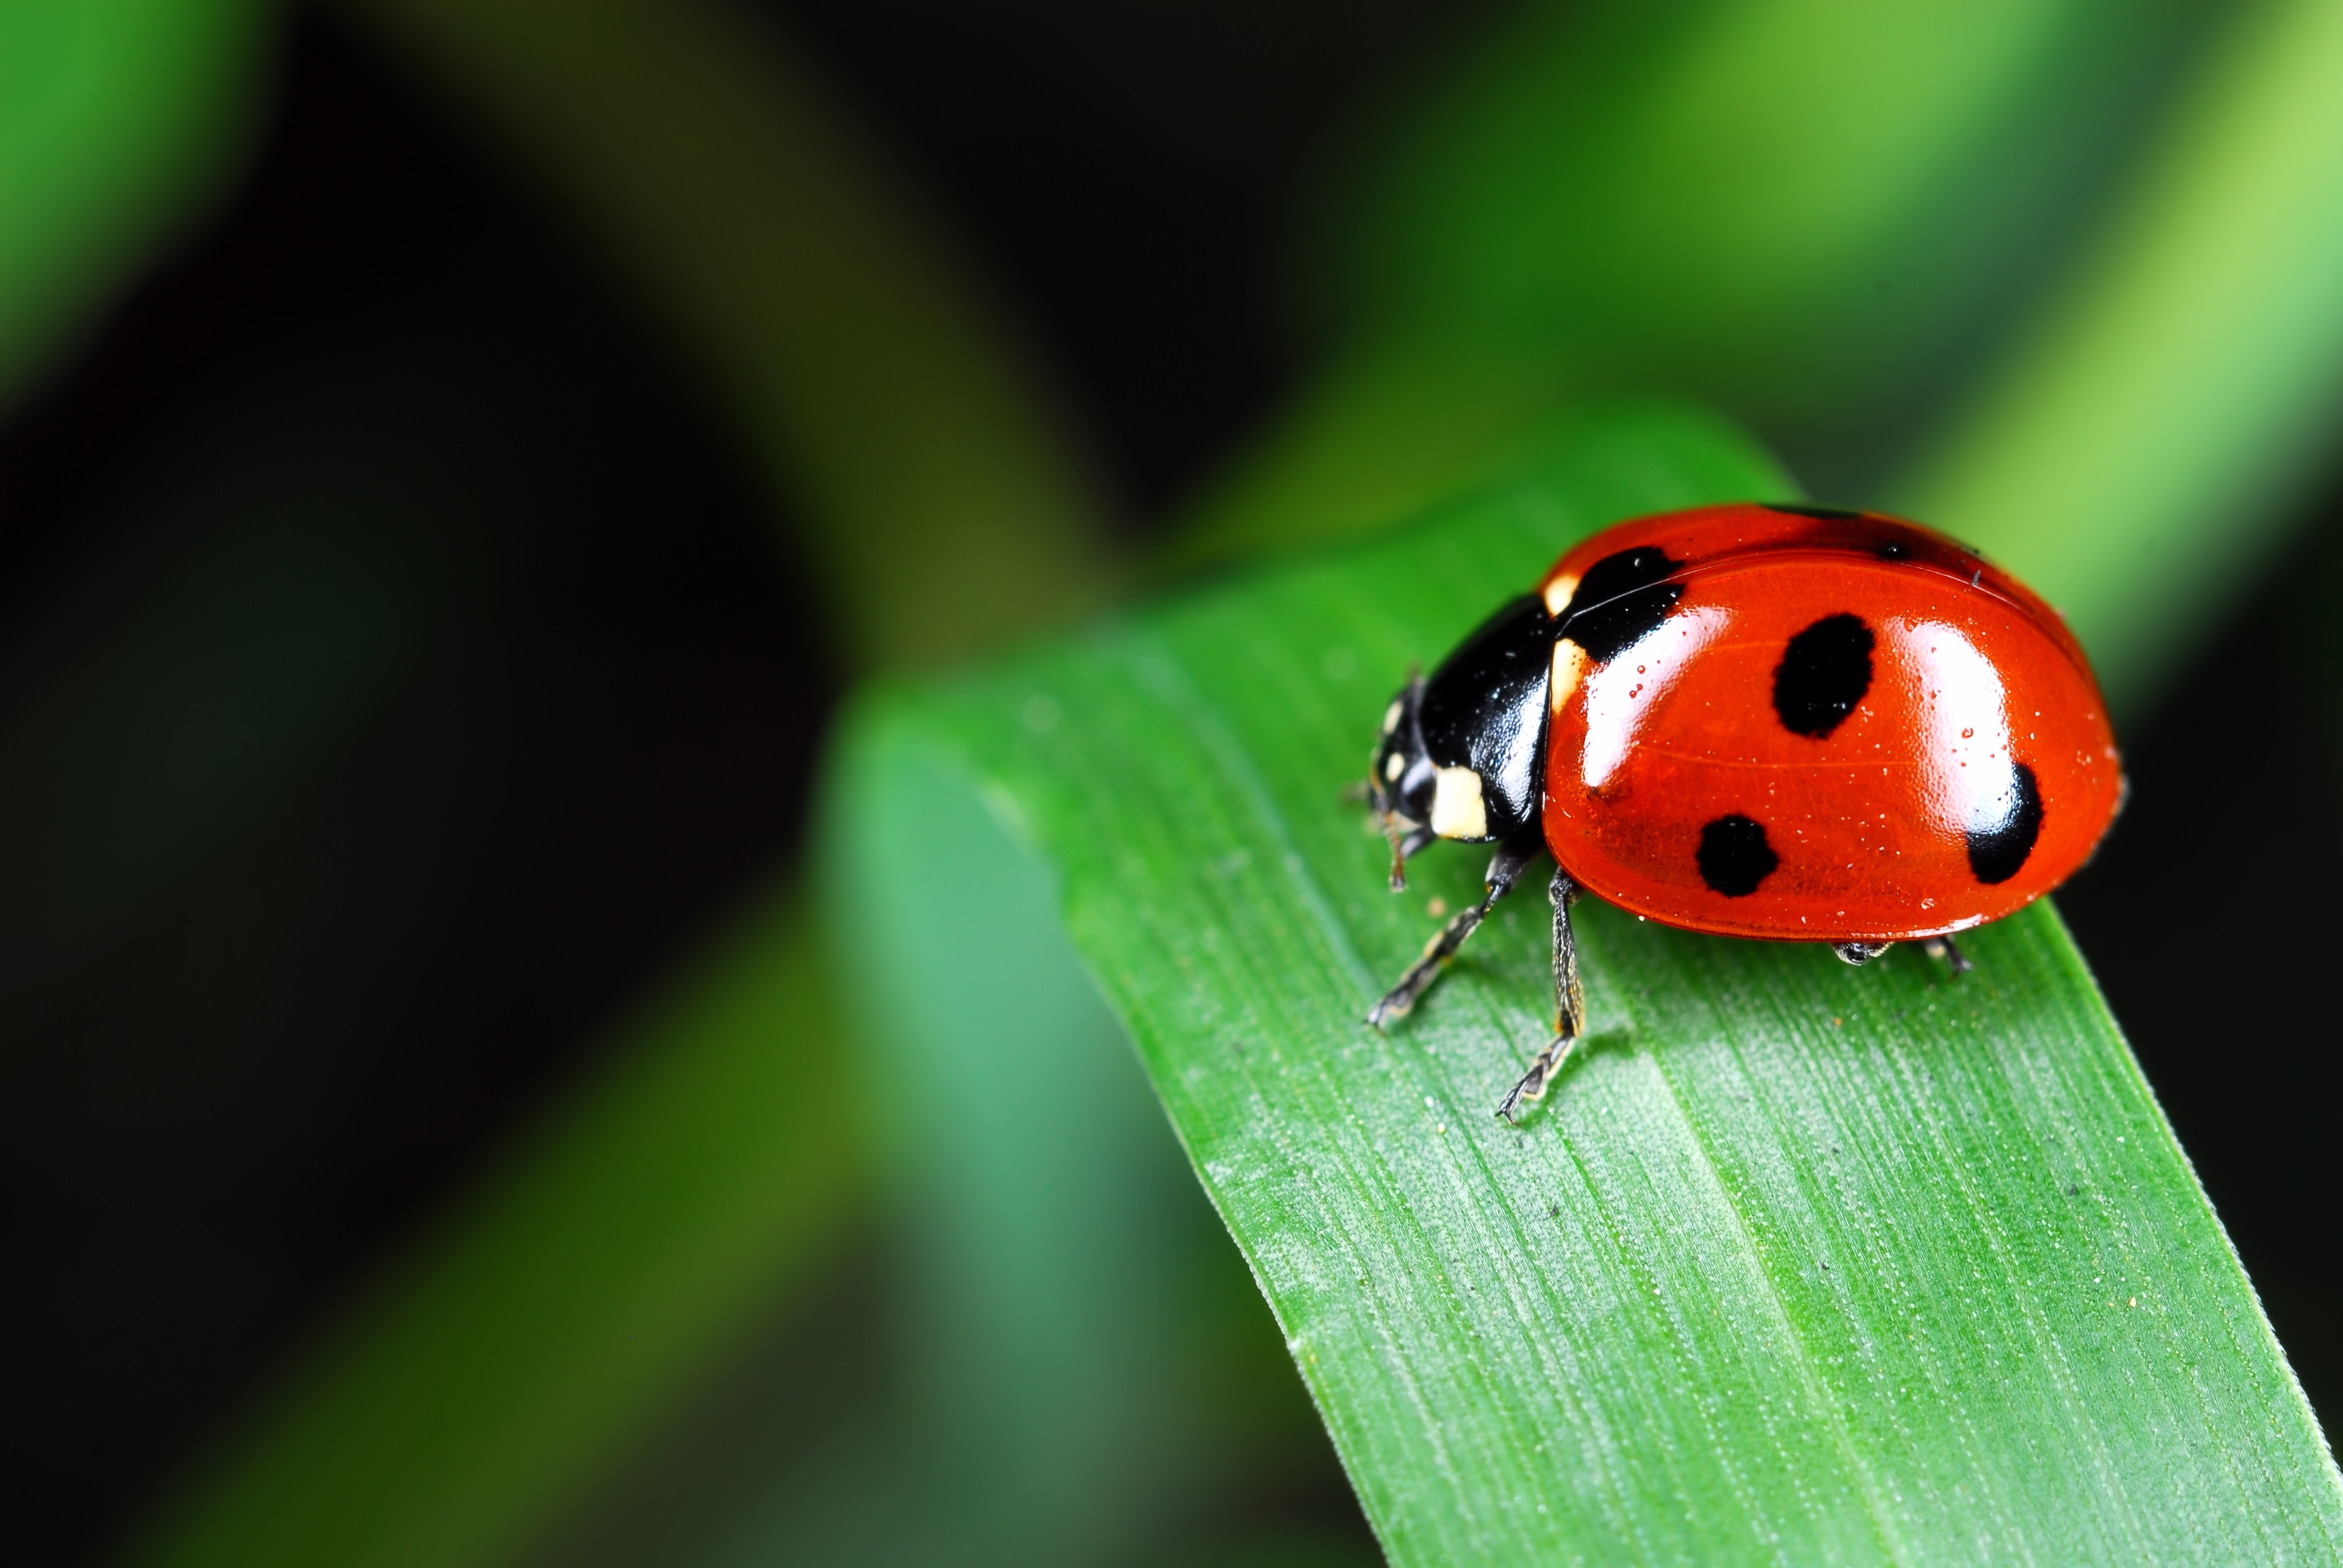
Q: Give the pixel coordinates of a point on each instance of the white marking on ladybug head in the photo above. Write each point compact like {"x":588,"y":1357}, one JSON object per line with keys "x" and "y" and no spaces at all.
{"x":1393,"y":766}
{"x":1560,"y":592}
{"x":1391,"y":716}
{"x":1569,"y":669}
{"x":1457,"y":809}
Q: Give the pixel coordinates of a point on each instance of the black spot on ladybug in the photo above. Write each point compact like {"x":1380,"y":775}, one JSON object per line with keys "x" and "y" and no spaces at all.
{"x":1734,"y":856}
{"x":1619,"y":600}
{"x":1997,"y":850}
{"x":1819,"y":514}
{"x":1823,"y":673}
{"x":1895,"y":550}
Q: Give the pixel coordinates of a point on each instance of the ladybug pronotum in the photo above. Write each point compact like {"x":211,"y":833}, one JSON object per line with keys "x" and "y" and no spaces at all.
{"x":1784,"y":722}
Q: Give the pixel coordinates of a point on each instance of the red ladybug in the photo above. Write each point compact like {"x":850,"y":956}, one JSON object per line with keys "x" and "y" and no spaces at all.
{"x":1786,"y":722}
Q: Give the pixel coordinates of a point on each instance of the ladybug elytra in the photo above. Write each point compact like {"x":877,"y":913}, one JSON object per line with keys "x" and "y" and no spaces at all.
{"x":1783,"y":722}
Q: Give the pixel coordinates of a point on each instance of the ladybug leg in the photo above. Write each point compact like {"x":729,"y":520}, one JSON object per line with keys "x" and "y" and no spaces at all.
{"x":1859,"y":953}
{"x":1946,"y":949}
{"x":1569,"y":1002}
{"x":1505,"y":869}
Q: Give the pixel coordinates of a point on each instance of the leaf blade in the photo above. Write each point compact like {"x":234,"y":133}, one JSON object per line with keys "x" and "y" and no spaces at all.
{"x":1609,"y":1336}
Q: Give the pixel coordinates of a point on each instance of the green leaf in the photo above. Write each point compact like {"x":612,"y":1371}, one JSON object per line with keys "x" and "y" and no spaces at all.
{"x":1080,"y":1361}
{"x":118,"y":119}
{"x":1799,"y":1263}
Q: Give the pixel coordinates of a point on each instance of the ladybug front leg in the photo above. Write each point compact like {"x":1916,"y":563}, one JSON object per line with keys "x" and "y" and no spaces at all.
{"x":1405,"y":842}
{"x":1505,"y":868}
{"x":1569,"y":1002}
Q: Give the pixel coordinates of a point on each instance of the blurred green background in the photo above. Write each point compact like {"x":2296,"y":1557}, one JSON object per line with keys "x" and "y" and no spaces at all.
{"x":458,"y":457}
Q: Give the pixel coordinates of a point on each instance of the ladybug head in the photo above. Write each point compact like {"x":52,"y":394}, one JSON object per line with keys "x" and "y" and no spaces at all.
{"x":1400,"y":776}
{"x":1461,"y":754}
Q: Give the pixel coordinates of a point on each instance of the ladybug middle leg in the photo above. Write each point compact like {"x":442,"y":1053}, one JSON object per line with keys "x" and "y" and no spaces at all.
{"x":1505,"y":868}
{"x":1569,"y":1003}
{"x":1945,"y":948}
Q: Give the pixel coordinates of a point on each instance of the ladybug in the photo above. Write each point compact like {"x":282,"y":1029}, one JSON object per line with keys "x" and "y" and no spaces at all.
{"x":1794,"y":723}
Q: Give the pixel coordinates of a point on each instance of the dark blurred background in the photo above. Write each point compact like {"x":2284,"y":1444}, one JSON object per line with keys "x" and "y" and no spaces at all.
{"x":379,"y":513}
{"x":400,"y":673}
{"x":372,"y":515}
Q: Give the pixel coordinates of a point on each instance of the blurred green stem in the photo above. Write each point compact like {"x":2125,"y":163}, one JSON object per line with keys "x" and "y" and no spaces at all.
{"x":939,"y":500}
{"x":2135,"y":459}
{"x":1804,"y":211}
{"x":689,"y":1182}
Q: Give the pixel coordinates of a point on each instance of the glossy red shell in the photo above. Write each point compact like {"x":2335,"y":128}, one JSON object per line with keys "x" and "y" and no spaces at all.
{"x":1872,"y":823}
